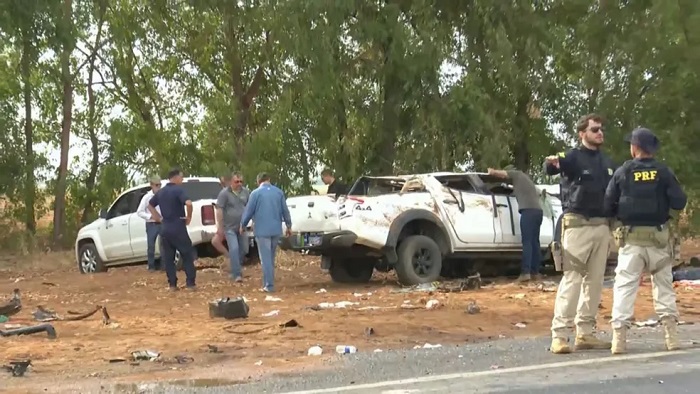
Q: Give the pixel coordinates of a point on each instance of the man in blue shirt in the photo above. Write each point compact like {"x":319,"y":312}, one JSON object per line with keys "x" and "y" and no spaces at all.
{"x":267,"y":206}
{"x":172,"y":201}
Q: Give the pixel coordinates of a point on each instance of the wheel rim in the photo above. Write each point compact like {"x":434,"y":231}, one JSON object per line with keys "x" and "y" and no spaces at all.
{"x":88,"y":261}
{"x":422,"y":262}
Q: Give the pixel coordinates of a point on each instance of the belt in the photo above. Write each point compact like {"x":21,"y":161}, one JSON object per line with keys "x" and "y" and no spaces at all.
{"x":572,"y":220}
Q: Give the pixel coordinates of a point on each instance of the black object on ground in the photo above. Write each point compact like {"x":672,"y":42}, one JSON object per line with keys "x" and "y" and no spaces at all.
{"x":47,"y":328}
{"x":229,"y":308}
{"x":18,"y":368}
{"x":13,"y":306}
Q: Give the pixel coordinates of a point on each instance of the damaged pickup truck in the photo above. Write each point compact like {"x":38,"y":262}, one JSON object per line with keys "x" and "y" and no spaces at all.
{"x":422,"y":226}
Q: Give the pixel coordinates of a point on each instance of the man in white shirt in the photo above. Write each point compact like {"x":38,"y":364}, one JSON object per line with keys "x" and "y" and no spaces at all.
{"x":152,"y":225}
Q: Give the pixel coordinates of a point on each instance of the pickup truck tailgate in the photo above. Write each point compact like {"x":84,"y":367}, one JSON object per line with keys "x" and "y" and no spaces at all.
{"x":318,"y":214}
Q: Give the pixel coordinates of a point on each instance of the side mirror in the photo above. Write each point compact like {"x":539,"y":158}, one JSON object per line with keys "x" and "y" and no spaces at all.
{"x":103,"y":213}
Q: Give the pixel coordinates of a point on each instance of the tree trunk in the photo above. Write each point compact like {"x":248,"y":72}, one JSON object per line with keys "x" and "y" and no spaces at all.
{"x":65,"y":35}
{"x":29,"y":187}
{"x":91,"y":180}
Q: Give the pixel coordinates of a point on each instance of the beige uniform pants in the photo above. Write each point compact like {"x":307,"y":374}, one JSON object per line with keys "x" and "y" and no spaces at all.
{"x":632,"y":261}
{"x":579,"y":293}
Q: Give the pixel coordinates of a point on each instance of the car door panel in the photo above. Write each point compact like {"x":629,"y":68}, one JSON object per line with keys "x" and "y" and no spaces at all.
{"x":137,"y":228}
{"x":115,"y":237}
{"x":509,"y":219}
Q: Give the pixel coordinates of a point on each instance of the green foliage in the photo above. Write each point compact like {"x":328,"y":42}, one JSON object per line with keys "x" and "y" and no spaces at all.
{"x":359,"y":86}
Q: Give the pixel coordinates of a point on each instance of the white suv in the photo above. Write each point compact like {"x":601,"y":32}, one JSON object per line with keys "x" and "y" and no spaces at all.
{"x":118,"y":237}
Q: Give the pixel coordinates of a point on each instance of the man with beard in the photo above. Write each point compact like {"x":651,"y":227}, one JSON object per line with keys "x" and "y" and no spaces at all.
{"x":585,"y":173}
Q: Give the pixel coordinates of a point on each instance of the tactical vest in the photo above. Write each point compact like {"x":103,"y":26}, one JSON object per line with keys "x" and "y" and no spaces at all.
{"x":642,"y":195}
{"x":585,"y":192}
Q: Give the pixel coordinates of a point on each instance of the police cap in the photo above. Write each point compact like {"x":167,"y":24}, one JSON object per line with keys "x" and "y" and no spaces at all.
{"x":644,"y":139}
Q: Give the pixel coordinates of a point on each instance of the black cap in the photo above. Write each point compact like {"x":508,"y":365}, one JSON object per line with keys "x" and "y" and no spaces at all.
{"x":644,"y":139}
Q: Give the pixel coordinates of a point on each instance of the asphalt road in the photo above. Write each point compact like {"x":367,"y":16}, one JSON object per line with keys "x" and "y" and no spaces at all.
{"x":503,"y":366}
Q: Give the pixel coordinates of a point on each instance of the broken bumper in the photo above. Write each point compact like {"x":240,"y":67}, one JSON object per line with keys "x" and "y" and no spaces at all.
{"x":315,"y":243}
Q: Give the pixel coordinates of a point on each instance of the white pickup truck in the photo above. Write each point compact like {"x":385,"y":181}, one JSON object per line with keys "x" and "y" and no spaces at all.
{"x":118,"y":236}
{"x":414,"y":224}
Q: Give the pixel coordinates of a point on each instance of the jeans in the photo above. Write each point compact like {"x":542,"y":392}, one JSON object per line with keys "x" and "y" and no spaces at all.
{"x":267,"y":246}
{"x":152,"y":231}
{"x":237,"y":249}
{"x":530,"y":223}
{"x":175,"y":237}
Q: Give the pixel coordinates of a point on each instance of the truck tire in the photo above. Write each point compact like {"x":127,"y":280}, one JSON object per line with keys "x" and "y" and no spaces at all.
{"x":351,"y":270}
{"x":420,"y":260}
{"x":89,"y":261}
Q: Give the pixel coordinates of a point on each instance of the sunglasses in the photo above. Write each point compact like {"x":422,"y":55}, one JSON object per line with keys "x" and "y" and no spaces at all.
{"x":237,"y":182}
{"x":597,"y":129}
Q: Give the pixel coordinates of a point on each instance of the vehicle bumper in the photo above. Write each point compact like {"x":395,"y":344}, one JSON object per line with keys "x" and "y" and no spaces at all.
{"x":334,"y":240}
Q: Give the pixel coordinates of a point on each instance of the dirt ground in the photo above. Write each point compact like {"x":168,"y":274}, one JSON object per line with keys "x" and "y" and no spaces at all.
{"x":146,"y":316}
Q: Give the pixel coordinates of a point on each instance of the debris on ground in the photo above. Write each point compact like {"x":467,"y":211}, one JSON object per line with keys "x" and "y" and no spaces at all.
{"x":432,"y":304}
{"x":496,"y":366}
{"x":321,"y":291}
{"x":345,"y":349}
{"x":334,"y":305}
{"x":427,"y":346}
{"x":228,"y":308}
{"x":213,"y":349}
{"x":362,"y":294}
{"x":520,"y":325}
{"x":272,"y":299}
{"x":45,"y":315}
{"x":689,"y":274}
{"x":689,"y":284}
{"x":145,"y":355}
{"x":547,"y":287}
{"x":183,"y":359}
{"x":258,"y":363}
{"x":473,"y":282}
{"x":473,"y":308}
{"x":47,"y":328}
{"x":315,"y":351}
{"x":13,"y":306}
{"x":261,"y":326}
{"x":271,"y":313}
{"x":4,"y":319}
{"x":369,"y":331}
{"x":17,"y":368}
{"x":423,"y":287}
{"x":654,"y":322}
{"x":378,"y":350}
{"x":518,"y":296}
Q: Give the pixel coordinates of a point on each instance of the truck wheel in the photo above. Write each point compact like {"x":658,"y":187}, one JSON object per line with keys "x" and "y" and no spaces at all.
{"x":351,"y":270}
{"x":89,"y":261}
{"x":420,"y":260}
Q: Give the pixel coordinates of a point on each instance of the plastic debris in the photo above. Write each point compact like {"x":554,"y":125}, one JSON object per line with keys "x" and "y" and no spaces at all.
{"x":273,"y":299}
{"x":271,"y":313}
{"x":315,"y":351}
{"x":432,"y":304}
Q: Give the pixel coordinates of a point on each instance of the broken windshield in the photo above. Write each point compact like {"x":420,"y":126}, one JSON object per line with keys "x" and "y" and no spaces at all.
{"x":368,"y":186}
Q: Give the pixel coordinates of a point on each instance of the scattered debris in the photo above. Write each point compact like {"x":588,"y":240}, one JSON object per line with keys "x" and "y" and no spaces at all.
{"x":116,"y":360}
{"x":262,"y":326}
{"x":271,"y":313}
{"x":547,"y":287}
{"x":182,"y":359}
{"x":48,"y":284}
{"x":427,"y":346}
{"x":331,"y":305}
{"x":4,"y":319}
{"x":362,"y":294}
{"x":473,"y":308}
{"x":423,"y":287}
{"x":689,"y":274}
{"x":519,"y":296}
{"x":13,"y":326}
{"x":432,"y":304}
{"x":654,"y":322}
{"x":258,"y":363}
{"x":520,"y":325}
{"x":13,"y":306}
{"x":45,"y":315}
{"x":345,"y":349}
{"x":321,"y":291}
{"x":272,"y":299}
{"x":145,"y":355}
{"x":47,"y":328}
{"x":369,"y":331}
{"x":314,"y":351}
{"x":17,"y":368}
{"x":496,"y":366}
{"x":473,"y":282}
{"x":229,"y":308}
{"x":213,"y":349}
{"x":290,"y":324}
{"x":378,"y":350}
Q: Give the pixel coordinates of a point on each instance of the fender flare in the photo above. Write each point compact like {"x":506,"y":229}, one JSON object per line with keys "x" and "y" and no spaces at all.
{"x":93,"y":238}
{"x":401,"y":221}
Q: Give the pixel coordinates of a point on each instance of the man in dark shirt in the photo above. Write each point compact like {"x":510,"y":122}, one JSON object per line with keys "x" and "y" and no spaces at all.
{"x":172,"y":201}
{"x":334,"y":187}
{"x":585,"y":240}
{"x":643,"y":195}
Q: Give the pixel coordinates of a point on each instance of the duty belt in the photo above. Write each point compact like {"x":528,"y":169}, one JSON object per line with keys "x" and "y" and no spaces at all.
{"x":647,"y":236}
{"x":572,"y":220}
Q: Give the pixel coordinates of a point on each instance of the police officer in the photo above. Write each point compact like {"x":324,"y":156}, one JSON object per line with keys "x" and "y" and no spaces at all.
{"x":585,"y":173}
{"x":172,"y":201}
{"x":643,"y":195}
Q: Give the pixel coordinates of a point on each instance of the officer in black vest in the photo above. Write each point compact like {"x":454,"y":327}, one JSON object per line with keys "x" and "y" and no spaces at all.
{"x":585,"y":239}
{"x":643,"y":195}
{"x":172,"y":200}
